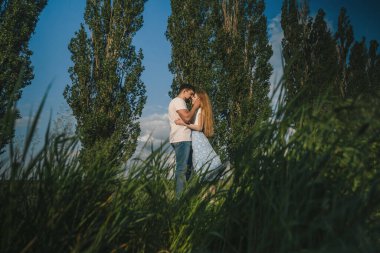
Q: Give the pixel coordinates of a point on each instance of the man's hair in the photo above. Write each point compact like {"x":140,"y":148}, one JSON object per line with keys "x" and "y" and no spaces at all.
{"x":186,"y":86}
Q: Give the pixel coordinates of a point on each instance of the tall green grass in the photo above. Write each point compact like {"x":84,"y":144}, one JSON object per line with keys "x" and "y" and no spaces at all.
{"x":314,"y":191}
{"x":318,"y":191}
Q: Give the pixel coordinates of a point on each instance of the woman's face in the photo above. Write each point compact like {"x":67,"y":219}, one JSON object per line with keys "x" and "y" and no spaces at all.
{"x":197,"y":97}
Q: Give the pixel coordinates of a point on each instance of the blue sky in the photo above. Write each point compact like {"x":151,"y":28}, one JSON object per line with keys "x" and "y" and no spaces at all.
{"x":61,"y":18}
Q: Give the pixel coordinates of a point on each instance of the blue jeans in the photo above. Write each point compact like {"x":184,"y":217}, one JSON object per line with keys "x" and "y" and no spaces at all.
{"x":183,"y":164}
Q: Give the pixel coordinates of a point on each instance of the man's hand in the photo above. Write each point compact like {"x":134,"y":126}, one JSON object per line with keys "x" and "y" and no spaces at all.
{"x":187,"y":115}
{"x":180,"y":122}
{"x":196,"y":103}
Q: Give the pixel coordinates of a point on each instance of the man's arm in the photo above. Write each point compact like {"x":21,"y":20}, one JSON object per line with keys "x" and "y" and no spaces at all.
{"x":187,"y":115}
{"x":198,"y":127}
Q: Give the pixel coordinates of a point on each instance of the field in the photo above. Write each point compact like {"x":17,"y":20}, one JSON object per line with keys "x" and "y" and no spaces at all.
{"x":315,"y":190}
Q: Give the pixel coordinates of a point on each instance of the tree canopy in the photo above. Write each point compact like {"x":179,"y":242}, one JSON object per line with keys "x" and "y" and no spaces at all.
{"x":107,"y":95}
{"x":18,"y":19}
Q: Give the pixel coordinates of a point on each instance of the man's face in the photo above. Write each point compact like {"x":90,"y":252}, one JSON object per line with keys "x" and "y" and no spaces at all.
{"x":189,"y":94}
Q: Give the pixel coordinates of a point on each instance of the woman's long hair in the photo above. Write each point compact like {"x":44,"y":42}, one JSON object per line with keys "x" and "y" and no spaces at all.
{"x":207,"y":116}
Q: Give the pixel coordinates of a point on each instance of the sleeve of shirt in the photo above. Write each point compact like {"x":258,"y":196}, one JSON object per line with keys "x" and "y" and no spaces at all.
{"x":180,"y":104}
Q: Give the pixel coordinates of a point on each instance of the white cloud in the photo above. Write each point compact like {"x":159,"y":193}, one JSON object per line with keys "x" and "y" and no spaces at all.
{"x":155,"y":130}
{"x":154,"y":127}
{"x":154,"y":124}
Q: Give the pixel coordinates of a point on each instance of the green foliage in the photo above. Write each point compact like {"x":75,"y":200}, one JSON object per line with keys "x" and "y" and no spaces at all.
{"x":322,"y":60}
{"x":294,"y":27}
{"x":50,"y":202}
{"x":363,"y":70}
{"x":373,"y":69}
{"x":313,"y":190}
{"x":222,"y":47}
{"x":243,"y":75}
{"x":107,"y":95}
{"x":191,"y":31}
{"x":316,"y":190}
{"x":320,"y":64}
{"x":18,"y":20}
{"x":358,"y":79}
{"x":309,"y":54}
{"x":359,"y":74}
{"x":344,"y":37}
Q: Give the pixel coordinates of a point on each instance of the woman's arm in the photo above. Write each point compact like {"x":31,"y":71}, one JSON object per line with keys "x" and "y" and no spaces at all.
{"x":195,"y":127}
{"x":198,"y":127}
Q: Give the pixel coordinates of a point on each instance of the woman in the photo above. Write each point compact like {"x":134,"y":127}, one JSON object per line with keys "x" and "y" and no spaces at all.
{"x":204,"y":157}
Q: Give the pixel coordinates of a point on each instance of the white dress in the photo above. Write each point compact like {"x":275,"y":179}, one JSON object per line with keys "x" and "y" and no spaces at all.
{"x":205,"y":159}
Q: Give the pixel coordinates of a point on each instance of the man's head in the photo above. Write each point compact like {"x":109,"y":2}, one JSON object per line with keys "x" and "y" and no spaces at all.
{"x":186,"y":91}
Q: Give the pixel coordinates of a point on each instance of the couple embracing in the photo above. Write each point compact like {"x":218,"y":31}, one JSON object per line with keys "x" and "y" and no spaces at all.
{"x":189,"y":130}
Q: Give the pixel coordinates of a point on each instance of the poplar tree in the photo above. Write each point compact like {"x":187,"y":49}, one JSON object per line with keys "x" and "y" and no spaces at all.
{"x":358,"y":81}
{"x":310,"y":56}
{"x":359,"y":66}
{"x":107,"y":95}
{"x":190,"y":30}
{"x":374,"y":67}
{"x":296,"y":26}
{"x":323,"y":67}
{"x":344,"y":38}
{"x":222,"y":47}
{"x":243,"y":52}
{"x":18,"y":19}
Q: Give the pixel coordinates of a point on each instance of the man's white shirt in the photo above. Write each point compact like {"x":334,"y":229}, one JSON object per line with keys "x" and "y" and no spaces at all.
{"x":178,"y":133}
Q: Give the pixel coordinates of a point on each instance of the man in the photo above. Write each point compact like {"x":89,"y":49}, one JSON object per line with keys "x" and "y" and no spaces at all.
{"x":180,"y":136}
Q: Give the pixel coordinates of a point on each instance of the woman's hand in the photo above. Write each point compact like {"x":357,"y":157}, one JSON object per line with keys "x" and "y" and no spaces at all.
{"x":180,"y":122}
